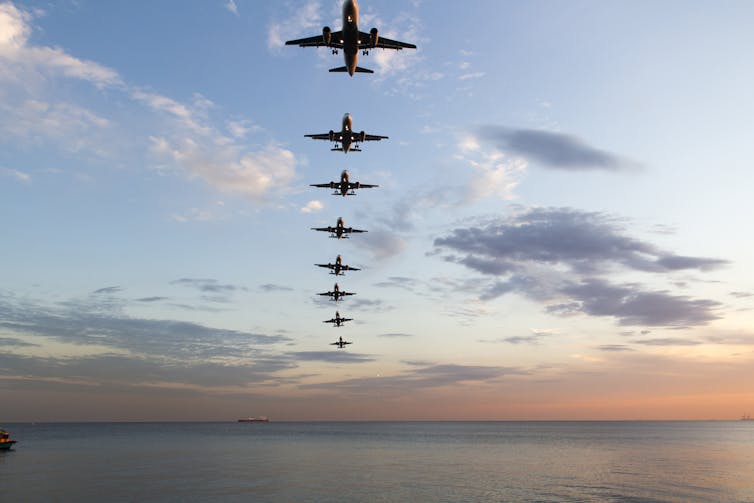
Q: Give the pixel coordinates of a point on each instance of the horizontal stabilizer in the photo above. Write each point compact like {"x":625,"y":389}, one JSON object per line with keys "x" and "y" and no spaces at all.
{"x":339,"y":69}
{"x":344,"y":69}
{"x":363,"y":70}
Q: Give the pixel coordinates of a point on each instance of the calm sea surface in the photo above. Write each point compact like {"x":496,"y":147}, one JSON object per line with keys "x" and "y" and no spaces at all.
{"x":403,"y":462}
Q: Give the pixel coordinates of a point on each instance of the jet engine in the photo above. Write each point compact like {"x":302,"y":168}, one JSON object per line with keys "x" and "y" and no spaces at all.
{"x":358,"y":185}
{"x":363,"y":136}
{"x":326,"y":35}
{"x":332,"y":135}
{"x":373,"y":37}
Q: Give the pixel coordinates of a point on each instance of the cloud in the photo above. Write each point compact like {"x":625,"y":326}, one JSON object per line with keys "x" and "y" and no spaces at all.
{"x":232,"y":7}
{"x":19,"y":57}
{"x":422,"y":377}
{"x":614,"y":347}
{"x":473,"y":75}
{"x":556,"y":256}
{"x":633,"y":306}
{"x":207,"y":285}
{"x":297,"y":23}
{"x":18,"y":175}
{"x":534,"y":338}
{"x":269,"y":287}
{"x":108,"y":290}
{"x":152,"y":299}
{"x":381,"y":243}
{"x":260,"y":175}
{"x":555,"y":150}
{"x":334,"y":356}
{"x":83,"y":323}
{"x":667,"y":342}
{"x":395,"y":335}
{"x":183,"y":135}
{"x":312,"y":207}
{"x":586,"y":242}
{"x":10,"y":341}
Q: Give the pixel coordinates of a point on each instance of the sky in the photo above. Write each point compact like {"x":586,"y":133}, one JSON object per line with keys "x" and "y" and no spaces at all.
{"x":561,"y":228}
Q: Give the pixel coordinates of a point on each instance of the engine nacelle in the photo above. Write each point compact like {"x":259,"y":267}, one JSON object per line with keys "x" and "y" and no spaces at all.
{"x":357,"y":185}
{"x":326,"y":35}
{"x":332,"y":135}
{"x":362,"y":136}
{"x":374,"y":37}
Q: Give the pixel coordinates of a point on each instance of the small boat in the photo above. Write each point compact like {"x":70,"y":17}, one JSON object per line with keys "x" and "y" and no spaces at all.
{"x":260,"y":419}
{"x":5,"y":442}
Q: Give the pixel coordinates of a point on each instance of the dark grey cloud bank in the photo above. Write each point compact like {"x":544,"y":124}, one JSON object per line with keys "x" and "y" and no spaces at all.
{"x":556,"y":150}
{"x":562,"y":256}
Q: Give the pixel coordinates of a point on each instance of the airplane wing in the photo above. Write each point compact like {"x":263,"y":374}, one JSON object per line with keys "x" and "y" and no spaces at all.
{"x":319,"y":41}
{"x":343,"y":320}
{"x":343,"y":294}
{"x":352,"y":186}
{"x":323,"y":229}
{"x":355,"y":231}
{"x":348,"y":268}
{"x":382,"y":42}
{"x":357,"y":137}
{"x":322,"y":136}
{"x":330,"y":185}
{"x":325,"y":293}
{"x":329,"y":266}
{"x":333,"y":320}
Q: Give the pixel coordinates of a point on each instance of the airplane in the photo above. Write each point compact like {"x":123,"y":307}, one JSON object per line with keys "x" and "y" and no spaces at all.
{"x":336,"y":293}
{"x":339,"y":231}
{"x":350,"y":40}
{"x":346,"y":137}
{"x":344,"y":187}
{"x":340,"y":343}
{"x":338,"y":321}
{"x":338,"y":267}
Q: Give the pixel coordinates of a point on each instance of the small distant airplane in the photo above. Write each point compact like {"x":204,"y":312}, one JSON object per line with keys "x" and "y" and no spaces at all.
{"x":346,"y":137}
{"x":350,"y":40}
{"x":336,"y":293}
{"x":340,"y":343}
{"x":339,"y":231}
{"x":338,"y":267}
{"x":337,"y":321}
{"x":344,"y":187}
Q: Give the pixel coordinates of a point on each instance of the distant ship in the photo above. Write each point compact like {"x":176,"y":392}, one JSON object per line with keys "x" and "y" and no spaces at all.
{"x":260,"y":419}
{"x":747,"y":417}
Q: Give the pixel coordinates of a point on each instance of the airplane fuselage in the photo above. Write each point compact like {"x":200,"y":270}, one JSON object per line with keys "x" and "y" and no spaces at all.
{"x":351,"y":35}
{"x":346,"y":133}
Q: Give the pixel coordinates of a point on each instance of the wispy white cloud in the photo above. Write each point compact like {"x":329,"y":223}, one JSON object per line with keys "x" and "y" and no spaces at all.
{"x":472,"y":75}
{"x":297,"y":23}
{"x":232,"y":7}
{"x":312,"y":207}
{"x":14,"y":173}
{"x":181,"y":134}
{"x":19,"y":57}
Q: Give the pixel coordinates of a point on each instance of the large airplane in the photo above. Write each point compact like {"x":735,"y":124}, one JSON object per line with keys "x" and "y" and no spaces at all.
{"x":338,"y":320}
{"x":345,"y":187}
{"x":350,"y":40}
{"x":346,"y":137}
{"x":336,"y":293}
{"x":338,"y":267}
{"x":339,"y":231}
{"x":340,"y":343}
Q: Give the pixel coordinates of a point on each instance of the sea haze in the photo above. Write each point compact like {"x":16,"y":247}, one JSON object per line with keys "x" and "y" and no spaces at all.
{"x":388,"y":461}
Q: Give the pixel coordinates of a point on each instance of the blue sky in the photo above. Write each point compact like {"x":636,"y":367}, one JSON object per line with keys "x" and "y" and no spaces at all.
{"x":560,"y":229}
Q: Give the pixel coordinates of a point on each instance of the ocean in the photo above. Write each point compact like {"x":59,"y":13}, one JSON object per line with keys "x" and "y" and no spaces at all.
{"x":528,"y":461}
